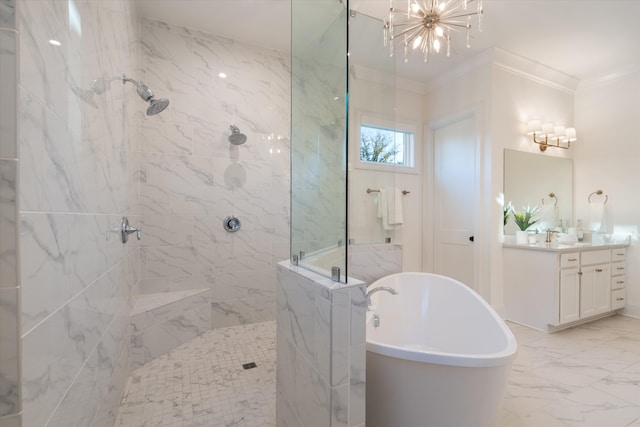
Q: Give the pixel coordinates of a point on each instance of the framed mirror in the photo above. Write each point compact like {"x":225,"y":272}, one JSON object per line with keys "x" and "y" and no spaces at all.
{"x":539,"y":180}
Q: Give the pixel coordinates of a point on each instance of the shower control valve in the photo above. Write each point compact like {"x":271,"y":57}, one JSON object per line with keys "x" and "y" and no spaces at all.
{"x":231,"y":224}
{"x":126,"y":229}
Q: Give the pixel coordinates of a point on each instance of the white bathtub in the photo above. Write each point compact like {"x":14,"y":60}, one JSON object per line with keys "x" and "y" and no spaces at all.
{"x":440,"y":356}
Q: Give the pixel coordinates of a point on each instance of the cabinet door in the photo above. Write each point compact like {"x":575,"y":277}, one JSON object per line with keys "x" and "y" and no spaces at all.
{"x":595,"y":294}
{"x":569,"y":295}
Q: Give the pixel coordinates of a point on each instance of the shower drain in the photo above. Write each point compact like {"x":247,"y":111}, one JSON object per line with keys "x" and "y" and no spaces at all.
{"x":249,"y":365}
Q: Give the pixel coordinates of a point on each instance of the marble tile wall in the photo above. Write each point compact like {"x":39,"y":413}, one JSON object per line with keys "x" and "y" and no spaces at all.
{"x":374,"y":261}
{"x":78,"y":177}
{"x":10,"y":405}
{"x":366,"y":262}
{"x":192,"y":177}
{"x":321,"y":350}
{"x":163,"y":321}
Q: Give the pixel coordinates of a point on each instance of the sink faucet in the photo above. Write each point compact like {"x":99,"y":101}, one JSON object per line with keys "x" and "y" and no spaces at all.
{"x":378,"y":289}
{"x":549,"y":233}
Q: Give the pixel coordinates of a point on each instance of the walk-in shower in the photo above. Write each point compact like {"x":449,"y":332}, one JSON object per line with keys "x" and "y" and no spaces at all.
{"x":155,"y":105}
{"x":236,"y":137}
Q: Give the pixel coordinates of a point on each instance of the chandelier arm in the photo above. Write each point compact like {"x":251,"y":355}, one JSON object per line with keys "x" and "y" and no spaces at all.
{"x":454,"y":24}
{"x":413,"y":35}
{"x":402,"y":24}
{"x":405,"y":31}
{"x":395,"y":10}
{"x":463,"y":15}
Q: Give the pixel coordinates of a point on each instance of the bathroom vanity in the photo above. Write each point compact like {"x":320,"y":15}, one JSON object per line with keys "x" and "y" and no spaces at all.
{"x":551,"y":286}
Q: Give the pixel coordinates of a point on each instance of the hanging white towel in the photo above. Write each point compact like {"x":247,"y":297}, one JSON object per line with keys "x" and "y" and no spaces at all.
{"x":395,"y":206}
{"x":390,"y":209}
{"x":597,"y":217}
{"x":383,"y":209}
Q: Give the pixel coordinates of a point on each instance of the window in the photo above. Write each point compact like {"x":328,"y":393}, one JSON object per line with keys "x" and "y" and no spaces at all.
{"x":386,"y":145}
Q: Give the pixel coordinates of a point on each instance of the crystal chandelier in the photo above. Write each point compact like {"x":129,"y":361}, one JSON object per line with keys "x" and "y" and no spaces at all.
{"x":427,"y":24}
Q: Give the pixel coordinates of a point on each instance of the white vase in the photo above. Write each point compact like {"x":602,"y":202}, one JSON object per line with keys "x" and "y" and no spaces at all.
{"x":522,"y":237}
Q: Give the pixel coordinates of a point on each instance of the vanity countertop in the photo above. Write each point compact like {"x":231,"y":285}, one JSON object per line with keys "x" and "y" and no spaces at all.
{"x":613,"y":242}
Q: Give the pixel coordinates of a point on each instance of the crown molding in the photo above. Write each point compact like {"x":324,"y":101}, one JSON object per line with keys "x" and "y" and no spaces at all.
{"x":534,"y":71}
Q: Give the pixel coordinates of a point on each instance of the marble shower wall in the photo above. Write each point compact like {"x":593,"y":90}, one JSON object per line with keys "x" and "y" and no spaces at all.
{"x":321,"y":350}
{"x":9,"y":279}
{"x":192,"y":177}
{"x":78,"y":177}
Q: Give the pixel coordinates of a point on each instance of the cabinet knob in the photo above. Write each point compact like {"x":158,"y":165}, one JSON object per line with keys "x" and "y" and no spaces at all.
{"x":619,"y":268}
{"x":620,"y":282}
{"x":573,"y":259}
{"x":598,"y":270}
{"x":620,"y":299}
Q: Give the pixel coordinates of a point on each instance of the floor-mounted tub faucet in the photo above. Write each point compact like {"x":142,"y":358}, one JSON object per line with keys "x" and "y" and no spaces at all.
{"x":378,"y":289}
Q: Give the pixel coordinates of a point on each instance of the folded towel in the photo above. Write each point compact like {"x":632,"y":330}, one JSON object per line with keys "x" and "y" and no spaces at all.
{"x":597,"y":217}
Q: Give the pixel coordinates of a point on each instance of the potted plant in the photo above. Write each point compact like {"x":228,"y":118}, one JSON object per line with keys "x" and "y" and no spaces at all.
{"x":524,"y":219}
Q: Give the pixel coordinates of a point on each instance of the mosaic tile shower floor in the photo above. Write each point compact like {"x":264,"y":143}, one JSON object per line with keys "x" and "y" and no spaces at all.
{"x":203,"y":382}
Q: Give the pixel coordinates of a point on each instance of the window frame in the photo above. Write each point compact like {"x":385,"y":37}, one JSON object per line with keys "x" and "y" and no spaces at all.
{"x":398,"y":125}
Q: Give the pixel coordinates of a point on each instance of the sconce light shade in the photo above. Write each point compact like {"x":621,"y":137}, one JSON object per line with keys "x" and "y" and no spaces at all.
{"x":550,"y":135}
{"x":547,"y":129}
{"x":535,"y":127}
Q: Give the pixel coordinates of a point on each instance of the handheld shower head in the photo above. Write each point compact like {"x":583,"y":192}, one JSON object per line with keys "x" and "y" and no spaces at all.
{"x":155,"y":105}
{"x":236,"y":137}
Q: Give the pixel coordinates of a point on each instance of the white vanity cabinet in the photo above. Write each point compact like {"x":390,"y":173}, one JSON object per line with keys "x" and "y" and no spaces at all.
{"x":569,"y":297}
{"x":618,"y":277}
{"x":595,"y":288}
{"x":550,"y":288}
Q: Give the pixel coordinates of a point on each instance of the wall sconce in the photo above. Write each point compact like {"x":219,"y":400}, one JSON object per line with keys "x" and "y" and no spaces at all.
{"x":548,"y":135}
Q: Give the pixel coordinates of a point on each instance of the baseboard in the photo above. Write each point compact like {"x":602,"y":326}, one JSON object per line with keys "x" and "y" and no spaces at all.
{"x":631,"y":311}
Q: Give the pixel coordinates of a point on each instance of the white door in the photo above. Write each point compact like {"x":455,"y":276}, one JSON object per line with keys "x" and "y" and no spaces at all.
{"x":455,"y":205}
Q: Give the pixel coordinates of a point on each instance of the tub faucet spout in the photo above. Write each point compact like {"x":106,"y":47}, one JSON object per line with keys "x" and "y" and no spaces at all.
{"x":378,"y":289}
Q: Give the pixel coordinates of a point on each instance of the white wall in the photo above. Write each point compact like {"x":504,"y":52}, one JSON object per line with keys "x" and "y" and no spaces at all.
{"x":371,"y":94}
{"x":606,"y":157}
{"x":505,"y":98}
{"x":463,"y":91}
{"x":515,"y":99}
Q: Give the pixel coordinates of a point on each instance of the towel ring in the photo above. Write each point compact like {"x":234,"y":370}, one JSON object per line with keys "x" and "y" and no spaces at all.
{"x":552,"y":196}
{"x":599,"y":193}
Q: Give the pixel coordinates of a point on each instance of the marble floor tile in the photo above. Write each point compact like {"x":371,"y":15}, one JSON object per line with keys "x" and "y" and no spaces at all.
{"x":585,"y":376}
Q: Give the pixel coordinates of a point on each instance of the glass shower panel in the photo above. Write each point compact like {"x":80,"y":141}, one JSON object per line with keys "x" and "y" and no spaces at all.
{"x":319,"y":135}
{"x":374,"y":152}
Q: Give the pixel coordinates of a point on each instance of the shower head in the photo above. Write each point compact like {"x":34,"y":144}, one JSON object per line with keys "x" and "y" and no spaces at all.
{"x":236,"y":137}
{"x":156,"y":105}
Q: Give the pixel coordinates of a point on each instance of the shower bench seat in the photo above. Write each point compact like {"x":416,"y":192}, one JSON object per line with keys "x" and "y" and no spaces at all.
{"x":163,"y":321}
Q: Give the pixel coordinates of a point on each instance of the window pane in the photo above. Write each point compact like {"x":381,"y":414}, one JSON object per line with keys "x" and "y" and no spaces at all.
{"x":389,"y":146}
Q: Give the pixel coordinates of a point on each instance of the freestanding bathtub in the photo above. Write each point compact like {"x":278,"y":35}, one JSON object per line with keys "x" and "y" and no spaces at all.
{"x":439,"y":357}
